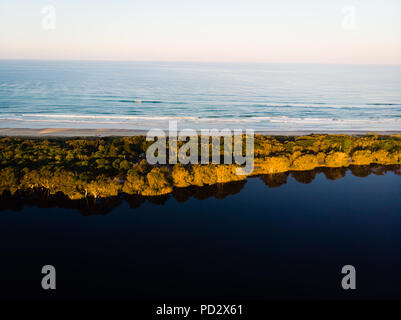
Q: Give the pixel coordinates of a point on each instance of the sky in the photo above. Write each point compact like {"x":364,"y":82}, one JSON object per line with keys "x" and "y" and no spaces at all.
{"x":287,"y":31}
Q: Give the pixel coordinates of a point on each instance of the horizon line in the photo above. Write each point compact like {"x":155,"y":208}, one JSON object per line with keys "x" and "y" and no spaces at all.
{"x":200,"y":61}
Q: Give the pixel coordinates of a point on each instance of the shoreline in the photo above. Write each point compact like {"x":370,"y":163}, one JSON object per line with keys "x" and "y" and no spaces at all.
{"x":74,"y":132}
{"x":105,"y":205}
{"x":101,"y":167}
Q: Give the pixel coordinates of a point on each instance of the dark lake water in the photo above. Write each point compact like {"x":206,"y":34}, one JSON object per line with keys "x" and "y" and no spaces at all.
{"x":284,"y":236}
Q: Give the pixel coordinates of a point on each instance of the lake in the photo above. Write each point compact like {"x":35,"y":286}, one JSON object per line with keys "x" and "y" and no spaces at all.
{"x":276,"y":236}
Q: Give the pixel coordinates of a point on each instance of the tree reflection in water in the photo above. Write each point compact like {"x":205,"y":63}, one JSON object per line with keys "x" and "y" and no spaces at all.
{"x":89,"y":206}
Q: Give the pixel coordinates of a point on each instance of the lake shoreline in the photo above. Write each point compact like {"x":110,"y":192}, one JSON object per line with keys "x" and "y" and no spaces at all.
{"x":106,"y":166}
{"x":40,"y":198}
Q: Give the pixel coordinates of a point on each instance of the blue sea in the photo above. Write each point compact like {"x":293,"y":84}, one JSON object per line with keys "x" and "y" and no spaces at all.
{"x":143,"y":95}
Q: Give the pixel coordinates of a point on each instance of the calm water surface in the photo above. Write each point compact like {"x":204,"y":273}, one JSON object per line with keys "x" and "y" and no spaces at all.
{"x":252,"y":242}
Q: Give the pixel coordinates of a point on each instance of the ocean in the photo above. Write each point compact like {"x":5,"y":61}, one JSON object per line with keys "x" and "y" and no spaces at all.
{"x":144,"y":95}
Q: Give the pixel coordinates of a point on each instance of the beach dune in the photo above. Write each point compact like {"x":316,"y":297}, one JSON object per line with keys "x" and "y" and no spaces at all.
{"x":76,"y":132}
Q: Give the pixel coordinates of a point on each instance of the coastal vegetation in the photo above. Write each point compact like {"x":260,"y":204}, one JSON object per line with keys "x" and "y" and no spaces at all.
{"x":89,"y":206}
{"x":80,"y":168}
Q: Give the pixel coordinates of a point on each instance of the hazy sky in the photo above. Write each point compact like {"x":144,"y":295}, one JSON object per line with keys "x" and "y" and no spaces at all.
{"x":309,"y":31}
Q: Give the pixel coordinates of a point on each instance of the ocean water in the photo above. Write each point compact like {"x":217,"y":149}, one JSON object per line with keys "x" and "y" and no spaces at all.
{"x":249,"y":240}
{"x":143,"y":95}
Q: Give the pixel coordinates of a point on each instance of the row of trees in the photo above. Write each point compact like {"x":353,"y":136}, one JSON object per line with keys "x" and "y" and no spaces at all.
{"x":116,"y":154}
{"x":98,"y":168}
{"x":88,"y":206}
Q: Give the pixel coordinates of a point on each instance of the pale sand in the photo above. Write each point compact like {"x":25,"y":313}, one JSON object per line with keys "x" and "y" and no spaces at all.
{"x":68,"y":132}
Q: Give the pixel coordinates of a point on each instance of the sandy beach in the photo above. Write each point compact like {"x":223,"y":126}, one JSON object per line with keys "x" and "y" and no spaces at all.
{"x":72,"y":132}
